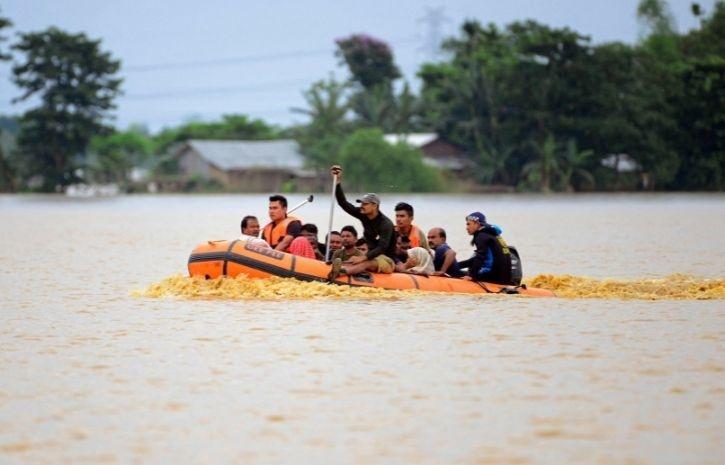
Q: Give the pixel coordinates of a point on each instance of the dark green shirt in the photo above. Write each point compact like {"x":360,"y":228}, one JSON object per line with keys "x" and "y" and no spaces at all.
{"x":379,"y":232}
{"x":343,"y":255}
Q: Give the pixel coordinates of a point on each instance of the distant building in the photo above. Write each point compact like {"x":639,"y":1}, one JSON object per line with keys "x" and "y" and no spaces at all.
{"x":437,"y":151}
{"x":247,"y":166}
{"x":621,"y":163}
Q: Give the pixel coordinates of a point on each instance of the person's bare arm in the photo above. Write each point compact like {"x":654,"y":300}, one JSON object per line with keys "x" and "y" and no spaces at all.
{"x":284,"y":243}
{"x":448,"y":259}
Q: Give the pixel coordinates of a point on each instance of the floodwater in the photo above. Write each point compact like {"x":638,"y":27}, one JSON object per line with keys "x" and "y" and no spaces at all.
{"x":94,"y":372}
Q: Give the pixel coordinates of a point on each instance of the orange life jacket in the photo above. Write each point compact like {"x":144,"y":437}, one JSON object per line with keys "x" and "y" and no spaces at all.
{"x":413,"y":235}
{"x":274,"y":234}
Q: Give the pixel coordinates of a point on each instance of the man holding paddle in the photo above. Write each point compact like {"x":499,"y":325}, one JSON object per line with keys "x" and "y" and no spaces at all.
{"x":379,"y":233}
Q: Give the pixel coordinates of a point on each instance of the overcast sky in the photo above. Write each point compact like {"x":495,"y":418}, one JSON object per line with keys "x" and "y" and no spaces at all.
{"x":187,"y":59}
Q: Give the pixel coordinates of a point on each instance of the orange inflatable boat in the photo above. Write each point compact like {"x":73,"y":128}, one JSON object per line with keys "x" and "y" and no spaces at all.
{"x":213,"y":259}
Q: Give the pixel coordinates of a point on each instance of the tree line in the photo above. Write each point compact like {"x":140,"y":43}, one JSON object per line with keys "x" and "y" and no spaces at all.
{"x":534,"y":108}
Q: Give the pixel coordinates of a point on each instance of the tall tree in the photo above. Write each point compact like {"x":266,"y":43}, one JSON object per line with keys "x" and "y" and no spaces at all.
{"x":506,"y":91}
{"x":574,"y":169}
{"x":76,"y":84}
{"x":4,"y":24}
{"x":372,"y":74}
{"x":327,"y":109}
{"x":655,"y":17}
{"x":465,"y":99}
{"x":701,"y":109}
{"x":369,"y":59}
{"x":543,"y":171}
{"x":6,"y":172}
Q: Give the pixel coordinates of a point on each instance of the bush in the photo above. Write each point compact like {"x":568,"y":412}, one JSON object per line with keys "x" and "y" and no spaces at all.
{"x":371,"y":164}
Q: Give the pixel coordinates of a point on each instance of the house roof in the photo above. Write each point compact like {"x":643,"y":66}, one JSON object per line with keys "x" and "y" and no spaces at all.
{"x":246,"y":154}
{"x":418,"y":139}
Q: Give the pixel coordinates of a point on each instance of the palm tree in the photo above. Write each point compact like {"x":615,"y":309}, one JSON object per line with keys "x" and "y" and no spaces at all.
{"x":543,"y":170}
{"x":327,"y":105}
{"x":574,"y":163}
{"x":375,"y":107}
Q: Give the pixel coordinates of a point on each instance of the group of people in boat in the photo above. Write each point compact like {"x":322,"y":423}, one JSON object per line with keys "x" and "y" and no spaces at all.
{"x":385,"y":247}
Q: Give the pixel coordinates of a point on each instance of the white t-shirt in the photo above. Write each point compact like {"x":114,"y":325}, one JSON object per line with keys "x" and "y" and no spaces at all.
{"x":254,"y":241}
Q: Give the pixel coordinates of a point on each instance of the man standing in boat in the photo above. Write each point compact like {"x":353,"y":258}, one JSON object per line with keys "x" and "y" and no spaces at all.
{"x":282,"y":229}
{"x":379,"y":233}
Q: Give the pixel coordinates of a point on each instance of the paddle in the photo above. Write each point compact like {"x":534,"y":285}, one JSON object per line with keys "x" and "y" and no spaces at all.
{"x":304,"y":202}
{"x":332,"y":212}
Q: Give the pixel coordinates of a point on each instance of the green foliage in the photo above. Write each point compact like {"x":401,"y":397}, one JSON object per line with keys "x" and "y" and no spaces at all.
{"x":655,"y":17}
{"x":112,"y":157}
{"x":504,"y":95}
{"x":373,"y":97}
{"x":533,"y":106}
{"x":8,"y":132}
{"x":76,"y":85}
{"x":504,"y":92}
{"x":700,"y":111}
{"x":4,"y":24}
{"x":371,"y":164}
{"x":541,"y":172}
{"x":703,"y":119}
{"x":370,"y":60}
{"x":231,"y":127}
{"x":320,"y":140}
{"x":7,"y":173}
{"x":574,"y":169}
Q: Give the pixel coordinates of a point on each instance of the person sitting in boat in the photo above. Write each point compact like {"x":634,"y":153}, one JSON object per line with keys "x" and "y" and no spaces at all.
{"x":420,"y":261}
{"x":402,"y":245}
{"x":491,"y":261}
{"x":379,"y":233}
{"x":282,"y":229}
{"x":335,"y":241}
{"x":404,"y":226}
{"x":361,"y":245}
{"x":250,"y":232}
{"x":308,"y":232}
{"x":348,"y":236}
{"x":444,"y":259}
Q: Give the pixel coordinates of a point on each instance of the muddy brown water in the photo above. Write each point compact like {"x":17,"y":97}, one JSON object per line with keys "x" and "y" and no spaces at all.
{"x":90,"y":373}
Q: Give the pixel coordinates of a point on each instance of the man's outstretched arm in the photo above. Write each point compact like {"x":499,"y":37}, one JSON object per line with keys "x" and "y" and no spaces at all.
{"x":351,"y":209}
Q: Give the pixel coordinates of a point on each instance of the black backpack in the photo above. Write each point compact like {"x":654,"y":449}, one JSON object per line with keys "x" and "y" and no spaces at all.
{"x":517,"y":272}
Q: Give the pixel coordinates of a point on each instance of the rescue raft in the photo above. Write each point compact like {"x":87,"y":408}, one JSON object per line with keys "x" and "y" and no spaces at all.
{"x":213,"y":259}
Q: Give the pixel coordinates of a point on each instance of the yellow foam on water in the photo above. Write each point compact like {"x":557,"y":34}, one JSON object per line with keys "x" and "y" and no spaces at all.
{"x":274,"y":288}
{"x":673,"y":287}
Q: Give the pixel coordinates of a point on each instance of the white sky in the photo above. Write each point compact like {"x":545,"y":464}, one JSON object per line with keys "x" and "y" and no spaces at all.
{"x":189,"y":59}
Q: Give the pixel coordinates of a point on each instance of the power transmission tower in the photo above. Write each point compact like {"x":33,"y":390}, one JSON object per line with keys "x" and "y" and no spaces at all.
{"x":434,"y":21}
